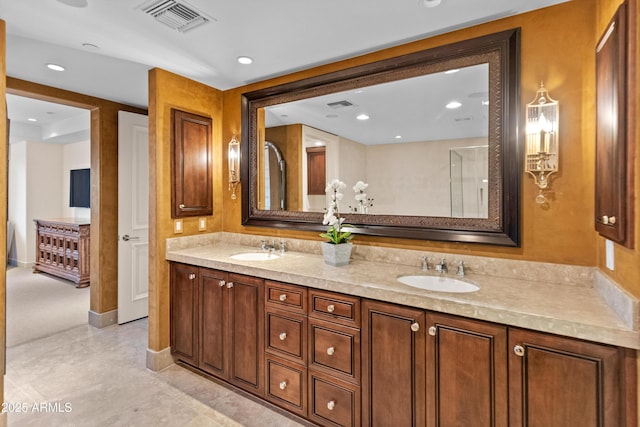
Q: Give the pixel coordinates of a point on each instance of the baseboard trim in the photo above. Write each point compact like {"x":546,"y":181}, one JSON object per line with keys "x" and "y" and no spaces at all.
{"x":102,"y":320}
{"x":159,"y":360}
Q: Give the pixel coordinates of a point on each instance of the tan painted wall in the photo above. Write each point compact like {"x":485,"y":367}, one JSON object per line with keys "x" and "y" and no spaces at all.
{"x":166,"y":91}
{"x":627,"y":261}
{"x":557,"y":47}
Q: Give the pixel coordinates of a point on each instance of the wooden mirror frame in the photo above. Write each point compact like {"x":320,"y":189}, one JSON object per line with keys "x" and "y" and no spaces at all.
{"x":502,"y":227}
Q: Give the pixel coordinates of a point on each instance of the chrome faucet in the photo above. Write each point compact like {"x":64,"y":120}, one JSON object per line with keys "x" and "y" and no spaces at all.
{"x":425,"y":263}
{"x":460,"y":271}
{"x":442,"y":267}
{"x":266,"y":246}
{"x":283,"y":246}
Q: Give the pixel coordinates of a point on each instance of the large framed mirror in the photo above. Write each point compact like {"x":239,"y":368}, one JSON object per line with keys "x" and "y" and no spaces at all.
{"x":426,"y":144}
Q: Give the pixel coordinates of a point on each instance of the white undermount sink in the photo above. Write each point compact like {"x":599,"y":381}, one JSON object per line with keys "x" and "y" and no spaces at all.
{"x":438,"y":284}
{"x":255,"y":256}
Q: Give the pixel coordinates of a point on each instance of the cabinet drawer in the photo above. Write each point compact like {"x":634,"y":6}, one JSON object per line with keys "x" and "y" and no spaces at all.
{"x":335,"y":307}
{"x":333,"y":402}
{"x":286,"y":296}
{"x":287,"y":385}
{"x":286,"y":335}
{"x":335,"y":348}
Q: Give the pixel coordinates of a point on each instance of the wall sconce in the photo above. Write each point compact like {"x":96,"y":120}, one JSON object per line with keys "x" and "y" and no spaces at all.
{"x":542,"y":139}
{"x":234,"y":165}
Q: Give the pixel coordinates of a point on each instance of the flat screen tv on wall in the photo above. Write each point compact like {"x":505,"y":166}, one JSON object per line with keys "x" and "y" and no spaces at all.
{"x":80,"y":188}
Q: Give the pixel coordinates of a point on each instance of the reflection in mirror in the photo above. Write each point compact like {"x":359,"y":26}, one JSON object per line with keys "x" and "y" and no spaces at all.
{"x":426,"y":143}
{"x":274,"y":178}
{"x":395,"y":137}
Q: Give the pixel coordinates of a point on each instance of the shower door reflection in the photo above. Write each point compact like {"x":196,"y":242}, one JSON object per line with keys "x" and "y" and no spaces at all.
{"x":468,"y":168}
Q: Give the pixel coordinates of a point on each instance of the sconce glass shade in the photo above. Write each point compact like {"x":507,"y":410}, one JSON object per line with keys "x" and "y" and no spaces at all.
{"x":234,"y":165}
{"x":542,"y":144}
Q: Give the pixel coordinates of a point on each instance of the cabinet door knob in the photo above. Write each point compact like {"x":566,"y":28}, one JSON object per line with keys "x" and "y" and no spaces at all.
{"x":415,"y":327}
{"x":181,"y":206}
{"x":282,"y":336}
{"x":606,"y":220}
{"x":331,"y":308}
{"x":331,"y":404}
{"x":518,"y":350}
{"x":283,"y":385}
{"x":283,"y":297}
{"x":192,"y":276}
{"x":221,"y":283}
{"x":331,"y":350}
{"x":612,"y":220}
{"x":432,"y":331}
{"x":229,"y":285}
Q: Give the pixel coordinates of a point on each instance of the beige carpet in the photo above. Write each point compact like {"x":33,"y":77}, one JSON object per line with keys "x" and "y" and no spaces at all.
{"x":39,"y":305}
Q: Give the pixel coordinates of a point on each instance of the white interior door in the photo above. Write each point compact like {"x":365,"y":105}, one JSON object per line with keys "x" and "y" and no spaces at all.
{"x":133,"y":216}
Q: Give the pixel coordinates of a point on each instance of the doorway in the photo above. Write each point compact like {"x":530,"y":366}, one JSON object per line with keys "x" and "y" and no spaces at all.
{"x":48,"y":141}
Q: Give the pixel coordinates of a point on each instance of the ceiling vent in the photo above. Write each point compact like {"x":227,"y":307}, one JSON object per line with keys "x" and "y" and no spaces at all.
{"x":340,"y":104}
{"x":178,"y":15}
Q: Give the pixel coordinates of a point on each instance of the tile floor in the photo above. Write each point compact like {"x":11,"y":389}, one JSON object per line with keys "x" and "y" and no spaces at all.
{"x":97,"y":377}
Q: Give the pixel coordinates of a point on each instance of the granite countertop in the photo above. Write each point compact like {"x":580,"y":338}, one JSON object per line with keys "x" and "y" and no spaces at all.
{"x":564,"y":309}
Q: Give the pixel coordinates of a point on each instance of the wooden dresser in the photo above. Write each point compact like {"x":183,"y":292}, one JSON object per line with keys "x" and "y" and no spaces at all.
{"x":62,"y":249}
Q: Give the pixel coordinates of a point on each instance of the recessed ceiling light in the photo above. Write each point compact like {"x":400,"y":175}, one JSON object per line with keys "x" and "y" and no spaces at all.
{"x":453,"y":105}
{"x":245,"y":60}
{"x":55,"y":67}
{"x":429,"y":3}
{"x":455,"y":70}
{"x":90,"y":46}
{"x":398,"y":136}
{"x":319,"y":143}
{"x":362,"y":117}
{"x":75,"y":3}
{"x":31,"y":119}
{"x":485,"y":103}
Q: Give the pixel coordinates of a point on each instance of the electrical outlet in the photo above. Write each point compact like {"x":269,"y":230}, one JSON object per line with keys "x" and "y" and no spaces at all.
{"x":202,"y":224}
{"x":609,"y":254}
{"x":177,"y":226}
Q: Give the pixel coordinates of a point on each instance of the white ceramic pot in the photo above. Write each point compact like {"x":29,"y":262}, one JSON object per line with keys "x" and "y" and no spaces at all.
{"x":337,"y":255}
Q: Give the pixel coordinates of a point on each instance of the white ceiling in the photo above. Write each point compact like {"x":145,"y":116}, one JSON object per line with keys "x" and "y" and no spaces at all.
{"x":282,"y":36}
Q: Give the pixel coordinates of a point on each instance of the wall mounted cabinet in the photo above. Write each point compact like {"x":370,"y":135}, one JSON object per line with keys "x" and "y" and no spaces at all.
{"x":191,"y":165}
{"x":614,"y":140}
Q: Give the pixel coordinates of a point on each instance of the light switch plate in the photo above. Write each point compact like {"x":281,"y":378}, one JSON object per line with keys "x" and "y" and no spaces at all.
{"x":177,"y":226}
{"x":609,"y":254}
{"x":202,"y":224}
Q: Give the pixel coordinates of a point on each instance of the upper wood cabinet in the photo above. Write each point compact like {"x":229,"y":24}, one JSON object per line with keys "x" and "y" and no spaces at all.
{"x":191,"y":174}
{"x":614,"y":124}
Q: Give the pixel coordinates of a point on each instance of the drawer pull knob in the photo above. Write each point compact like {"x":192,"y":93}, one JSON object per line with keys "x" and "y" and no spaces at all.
{"x":518,"y":350}
{"x":192,"y":276}
{"x":331,"y":308}
{"x":331,"y":405}
{"x":283,"y":297}
{"x":415,"y":327}
{"x":282,"y":336}
{"x":283,"y":385}
{"x":330,"y":351}
{"x":222,"y":283}
{"x":229,"y":285}
{"x":432,"y":331}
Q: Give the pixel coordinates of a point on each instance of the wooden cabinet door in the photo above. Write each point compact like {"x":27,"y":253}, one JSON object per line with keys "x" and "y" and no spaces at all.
{"x":191,"y":173}
{"x":614,"y":159}
{"x":559,"y":382}
{"x":246,"y":332}
{"x":214,"y":325}
{"x":184,"y":312}
{"x":316,"y":170}
{"x":393,"y":365}
{"x":466,"y":372}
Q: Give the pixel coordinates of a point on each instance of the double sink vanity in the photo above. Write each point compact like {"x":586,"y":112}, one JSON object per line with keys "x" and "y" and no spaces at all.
{"x":377,"y":343}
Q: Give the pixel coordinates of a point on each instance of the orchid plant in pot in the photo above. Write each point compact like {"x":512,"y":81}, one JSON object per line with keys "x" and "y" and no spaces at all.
{"x":337,"y":250}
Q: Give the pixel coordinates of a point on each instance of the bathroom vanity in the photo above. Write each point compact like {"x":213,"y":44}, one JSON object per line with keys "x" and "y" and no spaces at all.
{"x":351,"y":346}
